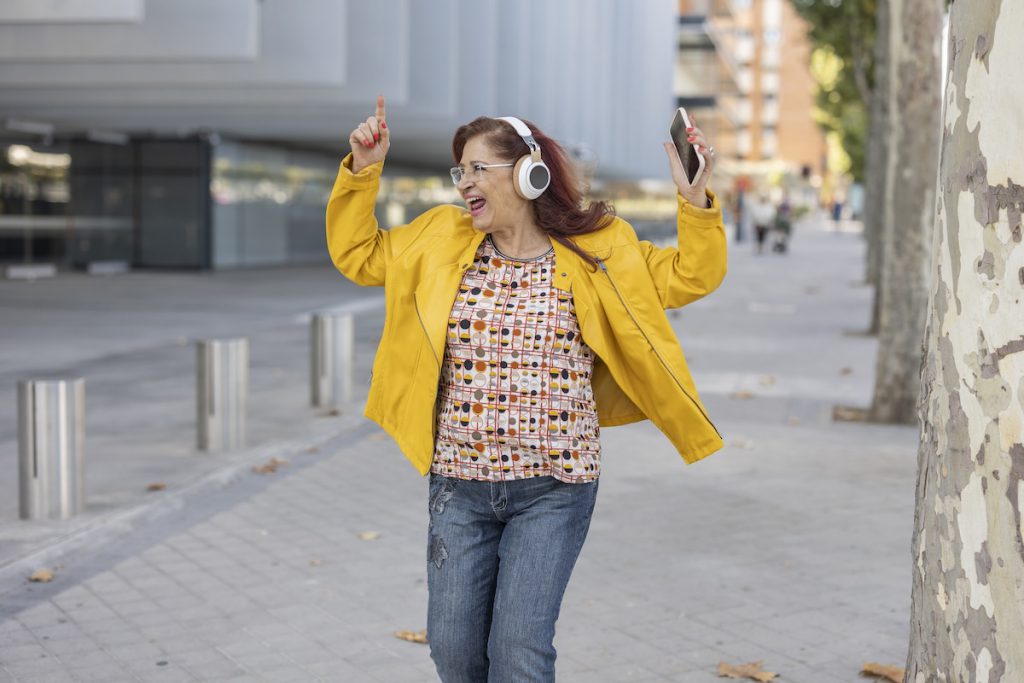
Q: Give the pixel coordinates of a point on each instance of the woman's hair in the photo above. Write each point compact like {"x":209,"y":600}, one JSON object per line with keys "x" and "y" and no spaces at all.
{"x":559,"y":212}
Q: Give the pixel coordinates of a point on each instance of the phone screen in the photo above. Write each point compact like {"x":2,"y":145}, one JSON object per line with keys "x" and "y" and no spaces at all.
{"x":692,"y":161}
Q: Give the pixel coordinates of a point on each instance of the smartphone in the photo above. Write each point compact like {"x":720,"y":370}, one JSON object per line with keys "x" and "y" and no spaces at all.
{"x":692,"y":160}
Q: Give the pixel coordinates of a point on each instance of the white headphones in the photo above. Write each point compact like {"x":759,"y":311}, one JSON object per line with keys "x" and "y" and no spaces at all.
{"x":531,"y":175}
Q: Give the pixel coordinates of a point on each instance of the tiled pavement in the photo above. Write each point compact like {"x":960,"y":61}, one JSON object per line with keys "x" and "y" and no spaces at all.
{"x":790,"y":546}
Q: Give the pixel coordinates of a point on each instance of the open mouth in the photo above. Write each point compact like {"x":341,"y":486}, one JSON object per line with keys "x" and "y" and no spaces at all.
{"x":476,"y":205}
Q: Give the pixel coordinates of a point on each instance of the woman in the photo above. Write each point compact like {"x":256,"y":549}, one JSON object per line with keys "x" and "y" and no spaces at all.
{"x":515,"y":328}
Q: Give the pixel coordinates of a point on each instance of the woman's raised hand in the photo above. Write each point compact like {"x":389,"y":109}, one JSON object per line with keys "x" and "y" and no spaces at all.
{"x":370,"y":140}
{"x":693,"y":193}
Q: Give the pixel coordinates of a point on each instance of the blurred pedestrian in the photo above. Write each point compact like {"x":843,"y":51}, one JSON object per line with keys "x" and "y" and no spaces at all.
{"x":783,"y":226}
{"x":514,"y":329}
{"x":762,"y":214}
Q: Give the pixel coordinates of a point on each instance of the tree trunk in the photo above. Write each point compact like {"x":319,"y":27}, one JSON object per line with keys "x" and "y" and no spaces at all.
{"x":967,"y":620}
{"x":875,"y":163}
{"x":908,"y":212}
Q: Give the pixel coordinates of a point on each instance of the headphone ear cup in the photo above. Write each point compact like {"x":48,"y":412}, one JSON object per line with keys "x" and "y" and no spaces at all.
{"x":520,"y":177}
{"x":526,"y":169}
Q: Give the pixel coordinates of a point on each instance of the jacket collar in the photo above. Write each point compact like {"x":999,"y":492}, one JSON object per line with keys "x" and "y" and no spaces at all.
{"x":566,"y":260}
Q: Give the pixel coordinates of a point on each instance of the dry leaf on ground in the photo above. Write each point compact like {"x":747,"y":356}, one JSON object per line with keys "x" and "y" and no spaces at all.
{"x":269,"y":467}
{"x":793,"y":421}
{"x":751,"y":670}
{"x":413,"y":636}
{"x":849,"y":414}
{"x":369,"y":535}
{"x":767,"y":380}
{"x":41,"y":576}
{"x":846,"y":371}
{"x":312,"y":449}
{"x":742,"y":394}
{"x":315,"y":562}
{"x":156,"y":486}
{"x":333,"y":413}
{"x":745,"y":444}
{"x":886,"y":671}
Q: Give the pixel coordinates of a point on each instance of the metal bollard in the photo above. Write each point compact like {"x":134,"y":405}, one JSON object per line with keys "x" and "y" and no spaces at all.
{"x":332,"y":357}
{"x":222,"y":386}
{"x":51,"y":436}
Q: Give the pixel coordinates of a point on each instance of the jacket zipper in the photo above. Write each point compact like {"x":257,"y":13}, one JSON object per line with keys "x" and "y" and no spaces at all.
{"x":422,"y":325}
{"x":636,"y":322}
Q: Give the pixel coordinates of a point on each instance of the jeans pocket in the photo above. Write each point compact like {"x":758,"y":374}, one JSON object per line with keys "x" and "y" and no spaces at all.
{"x":441,"y":489}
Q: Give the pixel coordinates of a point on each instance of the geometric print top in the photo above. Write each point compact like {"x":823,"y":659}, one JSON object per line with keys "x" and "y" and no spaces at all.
{"x":515,"y":399}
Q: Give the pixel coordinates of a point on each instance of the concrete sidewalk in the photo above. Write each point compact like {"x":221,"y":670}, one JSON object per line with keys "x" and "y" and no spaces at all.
{"x":790,"y":546}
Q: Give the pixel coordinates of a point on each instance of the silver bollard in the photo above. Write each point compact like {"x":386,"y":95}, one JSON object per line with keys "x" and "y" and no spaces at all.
{"x":222,"y":386}
{"x":332,"y":357}
{"x":51,"y":436}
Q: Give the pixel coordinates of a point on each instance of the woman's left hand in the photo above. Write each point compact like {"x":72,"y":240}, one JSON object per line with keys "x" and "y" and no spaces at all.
{"x":693,"y":193}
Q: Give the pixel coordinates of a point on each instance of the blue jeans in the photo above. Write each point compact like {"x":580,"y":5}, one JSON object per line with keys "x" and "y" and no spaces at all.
{"x":499,"y":557}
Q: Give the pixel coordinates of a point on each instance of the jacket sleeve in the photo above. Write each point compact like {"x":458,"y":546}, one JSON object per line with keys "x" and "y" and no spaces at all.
{"x":697,"y":266}
{"x":358,"y":247}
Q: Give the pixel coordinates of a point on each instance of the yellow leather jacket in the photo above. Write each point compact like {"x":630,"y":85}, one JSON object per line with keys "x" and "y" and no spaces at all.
{"x":640,"y":372}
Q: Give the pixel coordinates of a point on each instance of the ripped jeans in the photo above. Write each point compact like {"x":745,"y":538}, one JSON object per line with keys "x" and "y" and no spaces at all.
{"x":499,"y":556}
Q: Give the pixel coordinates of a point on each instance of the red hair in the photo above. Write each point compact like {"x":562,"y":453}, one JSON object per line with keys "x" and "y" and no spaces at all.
{"x":559,"y":212}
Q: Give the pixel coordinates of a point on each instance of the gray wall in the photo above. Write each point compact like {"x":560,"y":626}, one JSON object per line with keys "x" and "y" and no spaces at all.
{"x":597,"y":74}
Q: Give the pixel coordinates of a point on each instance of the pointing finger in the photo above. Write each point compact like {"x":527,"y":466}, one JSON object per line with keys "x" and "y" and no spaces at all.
{"x":380,"y":107}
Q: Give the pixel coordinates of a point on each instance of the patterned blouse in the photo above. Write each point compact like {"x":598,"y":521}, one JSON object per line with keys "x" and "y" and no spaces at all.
{"x":515,"y":399}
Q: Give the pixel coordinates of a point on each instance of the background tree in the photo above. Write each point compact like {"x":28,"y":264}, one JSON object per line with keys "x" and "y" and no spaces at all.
{"x":967,"y":621}
{"x":846,"y":30}
{"x":911,"y":101}
{"x":855,"y":32}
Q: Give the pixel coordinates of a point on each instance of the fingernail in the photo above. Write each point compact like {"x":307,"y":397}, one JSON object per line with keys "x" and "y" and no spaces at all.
{"x":376,"y":136}
{"x":689,"y":130}
{"x":383,"y":125}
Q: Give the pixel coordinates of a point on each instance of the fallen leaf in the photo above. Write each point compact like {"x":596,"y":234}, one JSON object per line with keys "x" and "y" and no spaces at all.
{"x":794,"y":421}
{"x":334,"y":412}
{"x":269,"y":467}
{"x":767,"y":380}
{"x":312,"y":449}
{"x":369,"y":535}
{"x":849,"y":414}
{"x":745,"y":444}
{"x":874,"y":669}
{"x":742,"y":394}
{"x":752,"y":670}
{"x":315,"y":562}
{"x":41,"y":576}
{"x":846,"y":371}
{"x":156,"y":486}
{"x":413,"y":636}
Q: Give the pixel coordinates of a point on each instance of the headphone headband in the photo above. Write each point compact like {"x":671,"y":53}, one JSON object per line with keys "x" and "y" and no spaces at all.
{"x":525,"y":133}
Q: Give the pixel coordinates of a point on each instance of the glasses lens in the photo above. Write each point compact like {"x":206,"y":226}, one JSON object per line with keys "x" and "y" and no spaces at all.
{"x":456,"y":174}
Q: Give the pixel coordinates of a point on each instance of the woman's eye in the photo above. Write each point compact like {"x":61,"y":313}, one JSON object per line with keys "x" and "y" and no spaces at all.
{"x":477,"y":168}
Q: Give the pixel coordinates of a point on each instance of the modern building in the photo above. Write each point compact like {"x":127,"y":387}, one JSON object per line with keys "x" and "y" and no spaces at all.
{"x":206,"y":133}
{"x":744,"y":66}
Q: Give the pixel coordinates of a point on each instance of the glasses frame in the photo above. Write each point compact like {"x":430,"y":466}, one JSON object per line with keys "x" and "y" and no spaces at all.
{"x":457,"y":173}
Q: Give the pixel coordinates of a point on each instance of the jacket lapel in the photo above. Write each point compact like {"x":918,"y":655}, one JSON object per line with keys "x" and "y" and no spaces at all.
{"x":435,"y":293}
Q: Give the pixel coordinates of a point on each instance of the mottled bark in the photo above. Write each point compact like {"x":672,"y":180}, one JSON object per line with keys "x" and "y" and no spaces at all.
{"x":876,"y":162}
{"x":967,"y":621}
{"x":908,"y":212}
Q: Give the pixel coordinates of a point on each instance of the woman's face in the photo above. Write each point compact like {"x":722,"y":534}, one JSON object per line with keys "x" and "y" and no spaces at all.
{"x":490,"y":196}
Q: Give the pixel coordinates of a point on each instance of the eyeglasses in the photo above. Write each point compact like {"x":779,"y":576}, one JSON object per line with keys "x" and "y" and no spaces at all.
{"x":476,"y":173}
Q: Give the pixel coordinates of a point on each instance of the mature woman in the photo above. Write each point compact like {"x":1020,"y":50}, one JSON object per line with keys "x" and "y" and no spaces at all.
{"x":516,"y":327}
